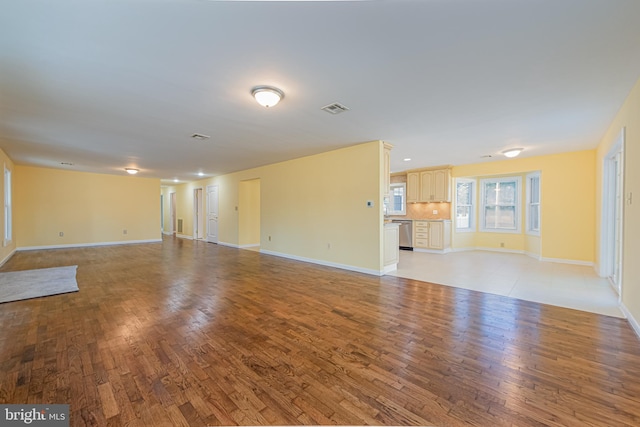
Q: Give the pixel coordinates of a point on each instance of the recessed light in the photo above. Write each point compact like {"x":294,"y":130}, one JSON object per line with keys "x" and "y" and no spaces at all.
{"x":200,"y":174}
{"x":131,"y":171}
{"x":176,"y":180}
{"x":200,"y":136}
{"x":408,"y":159}
{"x":512,"y":152}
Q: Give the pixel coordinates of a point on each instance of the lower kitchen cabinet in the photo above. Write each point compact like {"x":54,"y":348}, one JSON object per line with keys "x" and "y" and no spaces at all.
{"x":432,"y":235}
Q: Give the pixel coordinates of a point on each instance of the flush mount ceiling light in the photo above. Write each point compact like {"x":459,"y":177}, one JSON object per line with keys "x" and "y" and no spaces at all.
{"x":131,"y":171}
{"x":267,"y":96}
{"x":512,"y":152}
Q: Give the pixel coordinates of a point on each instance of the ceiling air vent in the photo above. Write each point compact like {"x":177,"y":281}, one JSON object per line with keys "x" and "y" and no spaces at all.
{"x":200,"y":136}
{"x":335,"y":108}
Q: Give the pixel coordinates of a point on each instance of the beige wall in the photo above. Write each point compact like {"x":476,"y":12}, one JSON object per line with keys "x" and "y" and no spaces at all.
{"x":249,"y":213}
{"x":7,"y":248}
{"x":567,"y":206}
{"x":628,"y":118}
{"x":313,"y":207}
{"x":88,"y":208}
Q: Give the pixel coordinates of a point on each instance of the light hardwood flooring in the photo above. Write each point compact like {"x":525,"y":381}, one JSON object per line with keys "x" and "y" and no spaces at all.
{"x":514,"y":275}
{"x":185,"y":333}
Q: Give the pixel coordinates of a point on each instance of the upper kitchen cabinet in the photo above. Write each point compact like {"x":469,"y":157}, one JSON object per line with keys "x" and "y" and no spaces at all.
{"x":429,"y":185}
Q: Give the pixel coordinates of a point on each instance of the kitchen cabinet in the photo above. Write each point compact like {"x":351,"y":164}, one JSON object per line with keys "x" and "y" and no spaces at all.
{"x":391,"y":253}
{"x":432,"y":185}
{"x":413,"y":187}
{"x":386,"y":185}
{"x":432,"y":235}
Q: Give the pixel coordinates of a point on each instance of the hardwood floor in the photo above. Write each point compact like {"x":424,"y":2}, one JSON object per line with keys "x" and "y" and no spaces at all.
{"x":186,"y":333}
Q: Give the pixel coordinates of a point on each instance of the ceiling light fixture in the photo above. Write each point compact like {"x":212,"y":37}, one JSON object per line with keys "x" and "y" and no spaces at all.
{"x":131,"y":171}
{"x":512,"y":152}
{"x":267,"y":96}
{"x":408,"y":159}
{"x":200,"y":174}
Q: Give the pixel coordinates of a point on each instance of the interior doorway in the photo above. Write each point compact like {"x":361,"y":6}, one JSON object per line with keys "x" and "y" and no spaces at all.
{"x":611,"y":253}
{"x":198,"y":217}
{"x":172,"y":212}
{"x":212,"y":213}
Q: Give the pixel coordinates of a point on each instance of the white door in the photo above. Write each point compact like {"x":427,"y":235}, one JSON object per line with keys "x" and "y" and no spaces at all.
{"x":212,"y":213}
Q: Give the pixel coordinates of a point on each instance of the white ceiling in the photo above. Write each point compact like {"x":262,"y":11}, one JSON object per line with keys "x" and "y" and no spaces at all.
{"x":112,"y":84}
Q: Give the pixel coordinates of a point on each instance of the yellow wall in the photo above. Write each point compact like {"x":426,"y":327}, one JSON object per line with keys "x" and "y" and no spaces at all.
{"x":567,"y":206}
{"x":249,"y":212}
{"x":6,"y":251}
{"x":628,"y":118}
{"x":88,"y":208}
{"x":312,"y":207}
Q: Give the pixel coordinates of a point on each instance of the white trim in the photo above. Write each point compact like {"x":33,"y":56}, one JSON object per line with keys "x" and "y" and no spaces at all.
{"x":184,"y":236}
{"x":167,"y":233}
{"x":249,"y":245}
{"x":87,"y":245}
{"x":473,"y":206}
{"x":325,"y":263}
{"x":432,"y":251}
{"x":527,"y":204}
{"x":567,"y":261}
{"x":517,"y":206}
{"x":231,"y":245}
{"x":389,"y":268}
{"x":7,"y":257}
{"x":632,"y":320}
{"x":533,"y":255}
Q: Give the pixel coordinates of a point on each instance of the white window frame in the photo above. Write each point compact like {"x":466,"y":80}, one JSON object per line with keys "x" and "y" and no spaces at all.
{"x":403,"y":211}
{"x":8,"y":219}
{"x":472,"y":206}
{"x":531,"y":205}
{"x":518,"y":209}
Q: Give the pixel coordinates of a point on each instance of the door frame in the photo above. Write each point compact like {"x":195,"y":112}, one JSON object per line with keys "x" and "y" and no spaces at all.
{"x":217,"y":193}
{"x":612,"y":204}
{"x":197,"y":214}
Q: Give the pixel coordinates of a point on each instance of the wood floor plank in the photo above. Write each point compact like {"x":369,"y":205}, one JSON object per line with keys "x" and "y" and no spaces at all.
{"x":196,"y":334}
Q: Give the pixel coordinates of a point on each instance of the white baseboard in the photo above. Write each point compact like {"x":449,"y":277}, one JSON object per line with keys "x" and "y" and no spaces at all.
{"x":231,"y":245}
{"x":531,"y":254}
{"x":389,"y":268}
{"x":432,"y":251}
{"x":567,"y":261}
{"x":325,"y":263}
{"x":86,"y":245}
{"x":250,"y":245}
{"x":184,"y":236}
{"x":7,"y":257}
{"x":632,"y":320}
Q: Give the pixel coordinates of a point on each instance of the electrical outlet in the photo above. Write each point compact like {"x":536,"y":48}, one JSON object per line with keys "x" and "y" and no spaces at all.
{"x":61,"y":234}
{"x":328,"y":245}
{"x":370,"y":203}
{"x":435,"y":211}
{"x":269,"y":238}
{"x":502,"y":244}
{"x":124,"y":231}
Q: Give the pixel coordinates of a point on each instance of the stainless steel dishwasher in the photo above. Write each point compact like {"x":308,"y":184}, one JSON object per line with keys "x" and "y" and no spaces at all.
{"x":406,"y":233}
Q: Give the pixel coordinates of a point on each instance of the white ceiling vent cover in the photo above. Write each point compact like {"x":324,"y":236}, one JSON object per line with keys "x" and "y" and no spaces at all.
{"x":335,"y":108}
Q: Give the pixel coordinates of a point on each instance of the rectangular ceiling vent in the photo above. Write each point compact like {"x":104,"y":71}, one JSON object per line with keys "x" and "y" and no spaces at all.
{"x":335,"y":108}
{"x":200,"y":136}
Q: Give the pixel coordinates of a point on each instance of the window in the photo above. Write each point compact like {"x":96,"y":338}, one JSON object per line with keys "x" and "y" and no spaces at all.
{"x":500,"y":206}
{"x":465,"y":198}
{"x":533,"y":203}
{"x":7,"y":207}
{"x":397,"y":203}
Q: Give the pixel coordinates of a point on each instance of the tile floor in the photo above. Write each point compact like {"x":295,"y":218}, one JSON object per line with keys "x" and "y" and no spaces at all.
{"x":514,"y":275}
